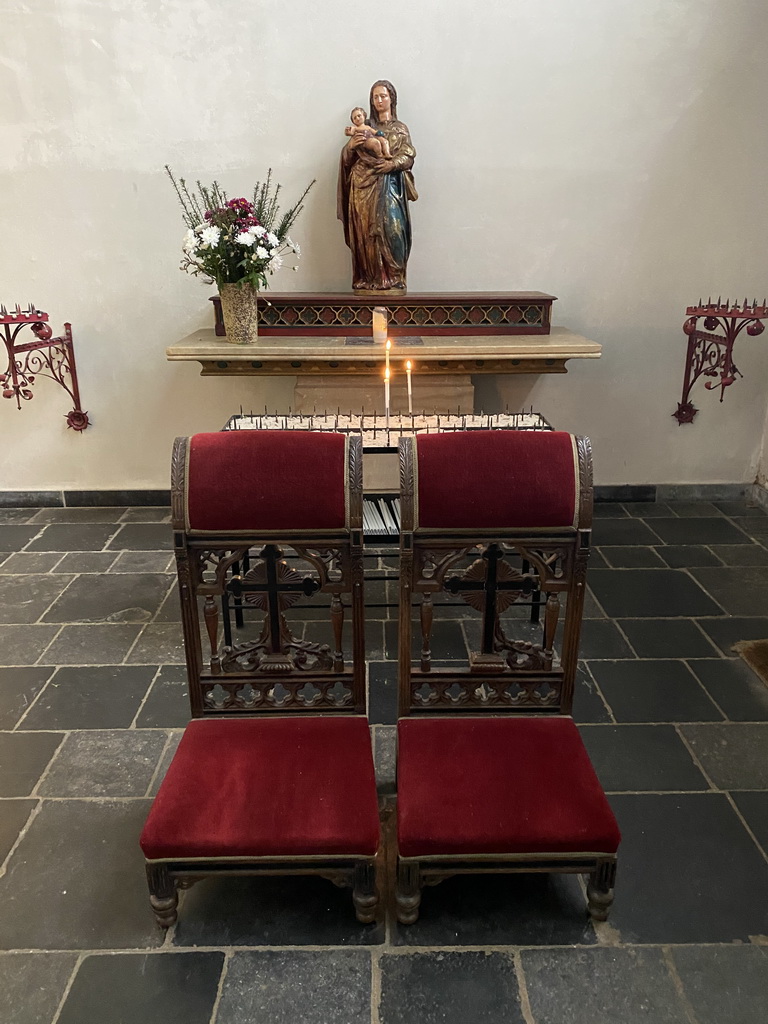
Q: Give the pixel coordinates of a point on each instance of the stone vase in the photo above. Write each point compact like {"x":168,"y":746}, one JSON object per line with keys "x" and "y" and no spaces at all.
{"x":239,"y":307}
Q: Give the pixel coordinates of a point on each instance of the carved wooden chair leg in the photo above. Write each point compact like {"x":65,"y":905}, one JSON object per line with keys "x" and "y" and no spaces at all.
{"x":407,"y":892}
{"x":162,"y":894}
{"x":600,"y":890}
{"x":365,"y":895}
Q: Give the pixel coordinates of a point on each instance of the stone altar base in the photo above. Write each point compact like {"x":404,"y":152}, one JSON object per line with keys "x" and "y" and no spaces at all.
{"x":441,"y":393}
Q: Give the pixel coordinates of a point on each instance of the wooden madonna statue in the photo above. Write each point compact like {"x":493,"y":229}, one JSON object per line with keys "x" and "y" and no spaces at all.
{"x":375,"y":187}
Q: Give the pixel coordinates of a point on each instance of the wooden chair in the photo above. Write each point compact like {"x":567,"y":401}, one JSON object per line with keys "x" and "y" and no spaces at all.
{"x":275,"y":773}
{"x":492,"y":774}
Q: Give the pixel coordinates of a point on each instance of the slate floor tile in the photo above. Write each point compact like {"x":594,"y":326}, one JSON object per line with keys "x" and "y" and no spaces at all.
{"x":754,"y":808}
{"x":97,"y":644}
{"x":167,"y":703}
{"x":25,"y":598}
{"x":650,"y":593}
{"x":632,"y":557}
{"x":14,"y":537}
{"x":699,"y":531}
{"x":653,"y":691}
{"x":144,"y":988}
{"x":732,"y":684}
{"x":274,"y":986}
{"x":14,"y":815}
{"x":647,"y":509}
{"x":18,"y":688}
{"x":160,"y":643}
{"x":385,"y":757}
{"x":170,"y":609}
{"x":755,"y":526}
{"x":609,"y":510}
{"x":504,"y":910}
{"x":742,"y":590}
{"x":93,"y":889}
{"x":724,"y":983}
{"x":147,"y":514}
{"x":79,"y":515}
{"x":32,"y":985}
{"x":143,"y":537}
{"x":693,"y":509}
{"x":732,"y":755}
{"x":727,"y":632}
{"x":382,"y":692}
{"x":86,"y":561}
{"x":114,"y":762}
{"x":16,"y":515}
{"x":449,"y":988}
{"x":73,"y":537}
{"x":739,"y":508}
{"x":608,"y":532}
{"x":667,"y":638}
{"x":23,"y":644}
{"x":736,"y":554}
{"x":23,"y":759}
{"x":633,"y":758}
{"x":174,"y":738}
{"x":271,"y":911}
{"x":142,"y":561}
{"x":122,"y":597}
{"x":683,"y":556}
{"x":31,"y":562}
{"x":673,"y":883}
{"x":106,"y":697}
{"x":588,"y":703}
{"x":600,"y":639}
{"x":601,"y":986}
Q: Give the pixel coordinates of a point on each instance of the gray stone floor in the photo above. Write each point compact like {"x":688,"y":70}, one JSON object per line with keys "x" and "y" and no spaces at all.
{"x":92,"y":704}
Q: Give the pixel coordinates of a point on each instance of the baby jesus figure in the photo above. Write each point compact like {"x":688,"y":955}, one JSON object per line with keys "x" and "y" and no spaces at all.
{"x":375,"y":142}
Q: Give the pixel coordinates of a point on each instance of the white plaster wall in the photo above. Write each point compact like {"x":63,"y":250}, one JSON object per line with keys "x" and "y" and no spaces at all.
{"x":610,"y":152}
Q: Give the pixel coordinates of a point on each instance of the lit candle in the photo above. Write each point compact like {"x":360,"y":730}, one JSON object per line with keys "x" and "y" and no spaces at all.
{"x":386,"y":394}
{"x":410,"y":389}
{"x":387,"y":347}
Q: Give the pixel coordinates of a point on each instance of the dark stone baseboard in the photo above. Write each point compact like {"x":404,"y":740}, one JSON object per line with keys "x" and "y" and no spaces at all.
{"x":82,"y":499}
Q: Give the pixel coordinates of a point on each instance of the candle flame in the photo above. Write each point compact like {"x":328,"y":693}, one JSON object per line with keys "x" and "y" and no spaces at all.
{"x":389,"y":343}
{"x":408,"y":365}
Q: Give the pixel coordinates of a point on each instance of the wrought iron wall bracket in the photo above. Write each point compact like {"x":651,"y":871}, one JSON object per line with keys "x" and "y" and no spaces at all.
{"x":45,"y":356}
{"x":711,"y":355}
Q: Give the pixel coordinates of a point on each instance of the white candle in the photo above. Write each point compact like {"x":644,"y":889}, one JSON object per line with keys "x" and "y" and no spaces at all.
{"x":379,"y":323}
{"x":387,"y":347}
{"x":410,"y":389}
{"x":386,"y":394}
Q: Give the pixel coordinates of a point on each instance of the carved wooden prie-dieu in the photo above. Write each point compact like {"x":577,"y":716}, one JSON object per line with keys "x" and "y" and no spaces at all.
{"x":275,"y":774}
{"x":492,"y":773}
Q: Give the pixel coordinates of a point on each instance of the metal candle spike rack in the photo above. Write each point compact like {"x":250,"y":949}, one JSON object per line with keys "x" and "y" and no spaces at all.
{"x":46,"y":356}
{"x":376,"y":435}
{"x":711,"y":355}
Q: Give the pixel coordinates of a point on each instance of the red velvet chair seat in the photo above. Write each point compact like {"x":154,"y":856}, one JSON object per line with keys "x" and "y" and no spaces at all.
{"x":283,"y":787}
{"x":499,"y":786}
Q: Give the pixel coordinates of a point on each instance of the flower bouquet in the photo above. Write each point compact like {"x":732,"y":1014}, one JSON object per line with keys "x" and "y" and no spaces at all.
{"x":237,"y":243}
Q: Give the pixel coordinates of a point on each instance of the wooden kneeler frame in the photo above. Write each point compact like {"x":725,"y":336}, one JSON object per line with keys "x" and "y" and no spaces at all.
{"x":257,"y":684}
{"x":513,"y":681}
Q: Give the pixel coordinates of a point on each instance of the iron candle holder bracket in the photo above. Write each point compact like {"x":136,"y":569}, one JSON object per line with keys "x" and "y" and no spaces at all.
{"x":710,"y":354}
{"x":45,"y":356}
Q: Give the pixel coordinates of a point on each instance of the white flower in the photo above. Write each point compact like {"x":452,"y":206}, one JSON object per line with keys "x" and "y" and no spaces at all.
{"x":272,"y":239}
{"x":244,"y":238}
{"x":258,"y":229}
{"x":200,"y":228}
{"x":190,"y":241}
{"x":274,"y":264}
{"x":211,"y":236}
{"x":297,"y":248}
{"x":262,"y":253}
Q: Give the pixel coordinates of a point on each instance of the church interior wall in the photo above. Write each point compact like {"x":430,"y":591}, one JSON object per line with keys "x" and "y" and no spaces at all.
{"x":610,"y":153}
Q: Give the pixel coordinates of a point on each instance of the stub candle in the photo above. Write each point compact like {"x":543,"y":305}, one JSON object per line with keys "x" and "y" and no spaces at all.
{"x":379,"y":321}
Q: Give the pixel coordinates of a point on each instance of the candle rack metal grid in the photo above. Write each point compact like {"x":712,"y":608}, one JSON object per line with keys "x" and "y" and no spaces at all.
{"x":46,"y":356}
{"x":711,"y":355}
